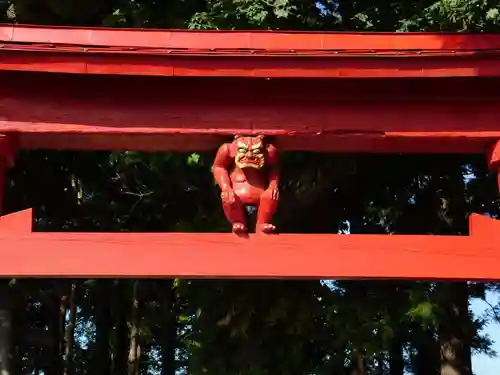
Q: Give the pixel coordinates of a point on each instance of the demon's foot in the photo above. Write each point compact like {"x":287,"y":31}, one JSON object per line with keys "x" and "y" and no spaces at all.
{"x":265,"y":228}
{"x":239,"y":228}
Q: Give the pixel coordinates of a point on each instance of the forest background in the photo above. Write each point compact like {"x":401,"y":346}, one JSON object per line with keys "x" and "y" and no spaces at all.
{"x":252,"y":327}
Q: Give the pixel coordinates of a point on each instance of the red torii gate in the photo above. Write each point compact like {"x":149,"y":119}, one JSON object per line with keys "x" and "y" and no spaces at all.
{"x":91,"y":89}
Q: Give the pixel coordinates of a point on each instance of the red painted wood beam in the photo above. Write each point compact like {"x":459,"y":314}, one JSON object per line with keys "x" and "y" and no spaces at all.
{"x":17,"y":223}
{"x":92,"y":113}
{"x":494,"y":159}
{"x":247,"y":54}
{"x":252,"y":66}
{"x":253,"y":40}
{"x":458,"y":143}
{"x":474,"y":257}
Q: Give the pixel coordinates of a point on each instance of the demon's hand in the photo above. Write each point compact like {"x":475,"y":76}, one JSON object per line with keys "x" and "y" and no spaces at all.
{"x":228,"y":196}
{"x":273,"y":192}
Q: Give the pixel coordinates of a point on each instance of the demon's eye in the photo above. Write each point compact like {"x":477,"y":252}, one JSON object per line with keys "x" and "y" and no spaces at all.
{"x":242,"y":150}
{"x":256,"y":151}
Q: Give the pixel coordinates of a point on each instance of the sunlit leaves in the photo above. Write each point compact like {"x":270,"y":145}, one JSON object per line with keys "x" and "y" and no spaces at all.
{"x":424,"y":312}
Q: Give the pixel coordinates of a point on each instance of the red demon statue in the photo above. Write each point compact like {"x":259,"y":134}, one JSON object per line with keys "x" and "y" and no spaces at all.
{"x":247,"y":173}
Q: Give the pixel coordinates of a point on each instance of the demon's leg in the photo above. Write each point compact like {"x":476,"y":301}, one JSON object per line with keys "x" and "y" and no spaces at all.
{"x":235,"y":214}
{"x":267,"y":209}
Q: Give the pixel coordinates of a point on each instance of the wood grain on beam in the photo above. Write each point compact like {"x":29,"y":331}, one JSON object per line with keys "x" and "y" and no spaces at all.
{"x":165,"y":64}
{"x":94,"y":114}
{"x":256,"y":40}
{"x":460,"y":144}
{"x":224,"y":255}
{"x":474,"y":257}
{"x":247,"y":54}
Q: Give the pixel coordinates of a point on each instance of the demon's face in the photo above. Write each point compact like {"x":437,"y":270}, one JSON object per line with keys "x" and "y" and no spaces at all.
{"x":249,"y":152}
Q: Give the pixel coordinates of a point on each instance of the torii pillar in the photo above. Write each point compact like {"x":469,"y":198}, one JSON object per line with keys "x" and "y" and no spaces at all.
{"x":6,"y":161}
{"x":494,"y":160}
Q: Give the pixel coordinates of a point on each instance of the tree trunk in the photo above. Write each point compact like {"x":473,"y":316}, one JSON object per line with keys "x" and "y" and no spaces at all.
{"x":134,"y":353}
{"x":19,"y":336}
{"x":70,"y":333}
{"x":455,"y":335}
{"x":337,"y":362}
{"x":145,"y":358}
{"x":121,"y":332}
{"x":346,"y":8}
{"x":101,"y":361}
{"x":169,"y":329}
{"x":5,"y":337}
{"x":380,"y":370}
{"x":396,"y":359}
{"x":59,"y":345}
{"x":57,"y":325}
{"x":358,"y":365}
{"x":427,"y":358}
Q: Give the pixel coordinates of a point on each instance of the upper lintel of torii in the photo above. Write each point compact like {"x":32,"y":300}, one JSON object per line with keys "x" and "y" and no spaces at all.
{"x":247,"y":53}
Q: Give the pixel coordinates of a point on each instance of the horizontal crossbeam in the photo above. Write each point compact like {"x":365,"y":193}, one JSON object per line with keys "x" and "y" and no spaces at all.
{"x":247,"y":54}
{"x":249,"y":65}
{"x":246,"y":40}
{"x":474,"y":257}
{"x":160,"y":114}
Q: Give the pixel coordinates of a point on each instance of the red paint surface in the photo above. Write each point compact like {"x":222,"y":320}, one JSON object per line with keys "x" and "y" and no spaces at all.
{"x":7,"y":148}
{"x":494,"y":156}
{"x":247,"y":173}
{"x":2,"y":185}
{"x":17,"y":222}
{"x":226,"y":255}
{"x":258,"y":40}
{"x":247,"y":54}
{"x":481,"y":226}
{"x":494,"y":159}
{"x":6,"y":160}
{"x":197,"y":114}
{"x":469,"y":65}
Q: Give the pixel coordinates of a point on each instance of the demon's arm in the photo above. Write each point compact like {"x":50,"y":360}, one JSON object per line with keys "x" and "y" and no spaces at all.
{"x":233,"y":208}
{"x":221,"y":165}
{"x":272,"y":162}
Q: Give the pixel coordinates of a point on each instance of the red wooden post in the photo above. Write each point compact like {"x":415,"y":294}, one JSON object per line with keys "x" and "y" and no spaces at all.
{"x":2,"y":184}
{"x":6,"y":159}
{"x":494,"y":160}
{"x":2,"y":172}
{"x":7,"y":149}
